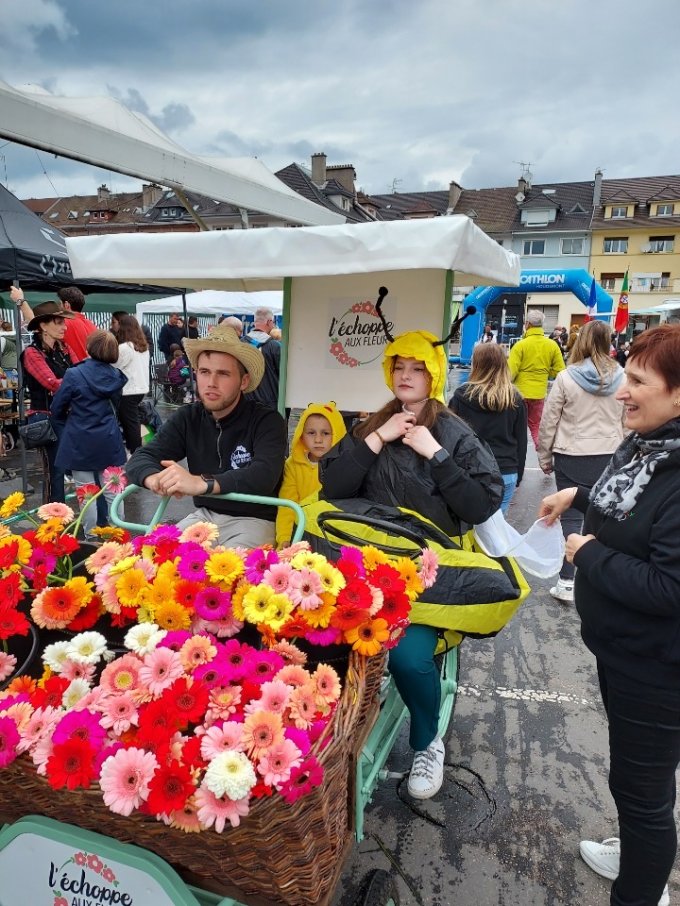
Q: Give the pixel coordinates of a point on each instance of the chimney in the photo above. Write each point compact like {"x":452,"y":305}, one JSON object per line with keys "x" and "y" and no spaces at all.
{"x":597,"y":188}
{"x":151,"y":193}
{"x":523,"y":185}
{"x":103,"y":192}
{"x":319,"y":168}
{"x":345,"y":175}
{"x":454,"y":196}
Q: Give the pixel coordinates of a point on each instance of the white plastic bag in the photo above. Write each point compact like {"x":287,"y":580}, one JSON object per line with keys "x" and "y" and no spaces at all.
{"x":540,"y":551}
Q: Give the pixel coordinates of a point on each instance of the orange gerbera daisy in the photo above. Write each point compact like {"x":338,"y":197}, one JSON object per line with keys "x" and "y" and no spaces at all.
{"x":261,"y":731}
{"x":321,"y":617}
{"x":409,"y":573}
{"x":237,"y":597}
{"x":171,"y":615}
{"x":49,"y":530}
{"x":54,"y":608}
{"x":368,"y":637}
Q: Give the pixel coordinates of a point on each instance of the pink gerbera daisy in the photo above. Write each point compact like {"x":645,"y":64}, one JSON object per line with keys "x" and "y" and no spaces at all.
{"x":56,"y":511}
{"x":261,"y":731}
{"x":302,"y":780}
{"x":7,"y":664}
{"x":9,"y":740}
{"x":215,"y":812}
{"x":160,"y":669}
{"x":323,"y":637}
{"x":305,"y":589}
{"x":125,"y":778}
{"x":276,"y":764}
{"x":196,"y":651}
{"x":119,"y":712}
{"x":41,"y":723}
{"x":265,"y":665}
{"x":191,"y":564}
{"x":223,"y":701}
{"x":83,"y":724}
{"x":278,"y":577}
{"x":163,"y":533}
{"x":121,"y":675}
{"x":216,"y":739}
{"x":223,"y":629}
{"x":428,"y":567}
{"x":212,"y":604}
{"x":115,"y":478}
{"x":327,"y":683}
{"x":293,"y":675}
{"x":303,"y":706}
{"x":257,"y":562}
{"x":274,"y":697}
{"x":200,"y":533}
{"x":71,"y":670}
{"x":105,"y":555}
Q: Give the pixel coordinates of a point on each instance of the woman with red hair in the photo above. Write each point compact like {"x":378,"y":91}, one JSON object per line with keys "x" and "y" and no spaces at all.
{"x":627,"y":593}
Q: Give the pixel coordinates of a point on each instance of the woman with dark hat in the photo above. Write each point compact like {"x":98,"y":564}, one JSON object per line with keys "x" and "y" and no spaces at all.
{"x":44,"y":363}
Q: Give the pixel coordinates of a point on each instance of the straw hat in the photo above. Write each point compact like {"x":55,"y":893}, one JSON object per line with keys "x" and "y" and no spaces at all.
{"x":225,"y":339}
{"x":45,"y":312}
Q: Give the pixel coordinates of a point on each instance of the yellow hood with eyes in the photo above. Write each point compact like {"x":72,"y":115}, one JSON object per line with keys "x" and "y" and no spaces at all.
{"x":418,"y":344}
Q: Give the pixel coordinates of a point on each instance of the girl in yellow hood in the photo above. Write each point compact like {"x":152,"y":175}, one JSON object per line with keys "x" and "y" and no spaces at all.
{"x":415,"y":453}
{"x":320,"y":427}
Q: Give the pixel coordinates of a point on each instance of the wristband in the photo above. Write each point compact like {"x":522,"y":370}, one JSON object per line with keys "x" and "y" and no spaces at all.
{"x":380,"y":437}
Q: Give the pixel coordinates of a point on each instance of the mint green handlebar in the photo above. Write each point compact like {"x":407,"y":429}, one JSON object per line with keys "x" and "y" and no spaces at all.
{"x":141,"y":528}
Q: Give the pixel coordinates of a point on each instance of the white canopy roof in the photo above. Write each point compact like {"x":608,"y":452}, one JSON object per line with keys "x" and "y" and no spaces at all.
{"x":260,"y":259}
{"x":103,"y":132}
{"x":215,"y":302}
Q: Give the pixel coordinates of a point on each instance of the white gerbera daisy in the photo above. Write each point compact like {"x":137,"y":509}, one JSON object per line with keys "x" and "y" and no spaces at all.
{"x":143,"y":638}
{"x":87,"y":647}
{"x":54,"y":656}
{"x":230,"y":774}
{"x":77,"y":689}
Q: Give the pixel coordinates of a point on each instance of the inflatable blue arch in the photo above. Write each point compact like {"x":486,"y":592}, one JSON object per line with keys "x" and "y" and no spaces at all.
{"x":577,"y":281}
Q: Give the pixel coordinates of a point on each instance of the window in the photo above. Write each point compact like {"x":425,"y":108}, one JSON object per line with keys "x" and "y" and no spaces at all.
{"x":170,"y":212}
{"x":534,"y":247}
{"x":608,"y":281}
{"x":664,"y":210}
{"x":661,"y":243}
{"x":572,"y":246}
{"x":619,"y":211}
{"x":616,"y":246}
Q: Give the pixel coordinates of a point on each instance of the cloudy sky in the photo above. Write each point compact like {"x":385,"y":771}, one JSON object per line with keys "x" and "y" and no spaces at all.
{"x":414,"y":93}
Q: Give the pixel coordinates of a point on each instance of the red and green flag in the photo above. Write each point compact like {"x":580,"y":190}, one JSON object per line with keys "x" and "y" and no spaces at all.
{"x":621,"y":322}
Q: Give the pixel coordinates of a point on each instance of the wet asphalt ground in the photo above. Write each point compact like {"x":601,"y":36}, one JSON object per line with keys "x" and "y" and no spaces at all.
{"x":526,"y":765}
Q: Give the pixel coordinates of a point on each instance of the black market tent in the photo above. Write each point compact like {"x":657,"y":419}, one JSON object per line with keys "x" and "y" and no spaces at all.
{"x":34,"y":253}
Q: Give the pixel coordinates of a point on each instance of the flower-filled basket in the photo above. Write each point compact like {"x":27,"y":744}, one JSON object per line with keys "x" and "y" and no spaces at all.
{"x":212,"y":739}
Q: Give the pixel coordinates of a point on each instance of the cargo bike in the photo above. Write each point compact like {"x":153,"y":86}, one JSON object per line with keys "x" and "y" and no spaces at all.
{"x":279,"y":854}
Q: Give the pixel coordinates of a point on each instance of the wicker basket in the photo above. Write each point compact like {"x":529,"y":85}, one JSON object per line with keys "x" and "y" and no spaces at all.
{"x":280,"y":853}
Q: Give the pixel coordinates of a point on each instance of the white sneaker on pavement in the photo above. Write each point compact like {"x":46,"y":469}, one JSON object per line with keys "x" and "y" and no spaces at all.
{"x":427,"y":771}
{"x":604,"y":859}
{"x":563,"y":591}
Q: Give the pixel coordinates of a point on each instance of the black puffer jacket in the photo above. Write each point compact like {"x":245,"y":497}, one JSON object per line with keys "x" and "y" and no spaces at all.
{"x":464,"y":490}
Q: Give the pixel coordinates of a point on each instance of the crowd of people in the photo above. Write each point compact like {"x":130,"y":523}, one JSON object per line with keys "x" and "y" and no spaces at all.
{"x":610,"y":437}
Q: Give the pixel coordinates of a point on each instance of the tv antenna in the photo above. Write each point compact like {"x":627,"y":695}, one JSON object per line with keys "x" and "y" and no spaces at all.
{"x":526,"y":172}
{"x":395,"y":183}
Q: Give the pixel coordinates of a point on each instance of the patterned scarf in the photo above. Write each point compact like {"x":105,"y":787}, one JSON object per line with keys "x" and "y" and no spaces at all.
{"x":631,"y":468}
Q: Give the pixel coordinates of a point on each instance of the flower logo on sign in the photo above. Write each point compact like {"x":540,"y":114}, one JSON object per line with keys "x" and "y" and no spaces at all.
{"x":357,"y":336}
{"x":62,"y":883}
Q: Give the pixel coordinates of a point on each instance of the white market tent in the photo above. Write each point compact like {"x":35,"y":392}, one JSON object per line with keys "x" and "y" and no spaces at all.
{"x":103,"y":132}
{"x":214,"y":302}
{"x":332,"y":342}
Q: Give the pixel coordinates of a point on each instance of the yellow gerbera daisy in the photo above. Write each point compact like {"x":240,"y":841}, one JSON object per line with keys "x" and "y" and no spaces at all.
{"x":109,"y":532}
{"x":278,"y":611}
{"x":4,"y":531}
{"x":320,"y":617}
{"x":171,"y":615}
{"x":372,"y":557}
{"x":308,"y":560}
{"x":167,"y":571}
{"x":50,"y":529}
{"x":237,"y":597}
{"x":332,"y":579}
{"x":159,"y":591}
{"x":409,"y":573}
{"x":81,"y":589}
{"x":123,"y":566}
{"x":11,"y":504}
{"x":256,"y":603}
{"x":224,"y":566}
{"x":130,"y":587}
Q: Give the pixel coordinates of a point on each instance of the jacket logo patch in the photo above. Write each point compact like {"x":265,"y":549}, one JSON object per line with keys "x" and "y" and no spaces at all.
{"x":240,"y":457}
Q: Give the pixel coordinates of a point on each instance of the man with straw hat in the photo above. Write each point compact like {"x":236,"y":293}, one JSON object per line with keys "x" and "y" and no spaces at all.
{"x":230,"y":442}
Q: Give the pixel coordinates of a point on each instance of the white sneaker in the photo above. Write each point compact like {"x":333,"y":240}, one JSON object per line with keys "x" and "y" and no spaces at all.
{"x":427,"y":771}
{"x":563,"y":591}
{"x":604,"y":858}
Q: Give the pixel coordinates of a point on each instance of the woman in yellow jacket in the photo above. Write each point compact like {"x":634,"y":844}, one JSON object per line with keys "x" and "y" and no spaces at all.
{"x":320,"y":427}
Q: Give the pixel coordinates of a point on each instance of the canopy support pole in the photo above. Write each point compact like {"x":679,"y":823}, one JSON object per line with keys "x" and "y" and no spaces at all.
{"x":202,"y":225}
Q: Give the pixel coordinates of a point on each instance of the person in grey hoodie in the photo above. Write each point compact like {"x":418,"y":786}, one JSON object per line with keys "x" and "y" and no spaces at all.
{"x":581,"y":426}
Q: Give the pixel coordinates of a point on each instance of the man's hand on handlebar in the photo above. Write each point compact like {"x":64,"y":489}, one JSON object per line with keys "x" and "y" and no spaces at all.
{"x":175,"y":481}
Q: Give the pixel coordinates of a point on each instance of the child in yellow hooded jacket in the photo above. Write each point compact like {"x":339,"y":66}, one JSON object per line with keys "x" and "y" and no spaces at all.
{"x":320,"y":427}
